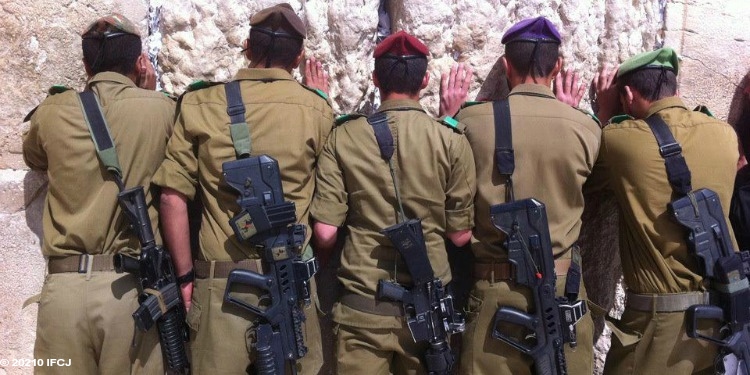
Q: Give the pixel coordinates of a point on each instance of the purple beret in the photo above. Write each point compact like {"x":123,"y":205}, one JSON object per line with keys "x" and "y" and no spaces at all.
{"x":537,"y":29}
{"x":401,"y":44}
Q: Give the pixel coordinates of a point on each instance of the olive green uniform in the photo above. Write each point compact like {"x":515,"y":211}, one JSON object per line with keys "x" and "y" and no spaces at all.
{"x":87,"y":318}
{"x":434,"y":170}
{"x":653,"y":249}
{"x":555,"y":150}
{"x":288,"y":122}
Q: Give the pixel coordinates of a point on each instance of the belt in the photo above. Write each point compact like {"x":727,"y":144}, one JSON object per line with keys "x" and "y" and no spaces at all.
{"x":83,"y":263}
{"x":221,"y":269}
{"x":673,"y":302}
{"x":503,"y":270}
{"x":372,"y":306}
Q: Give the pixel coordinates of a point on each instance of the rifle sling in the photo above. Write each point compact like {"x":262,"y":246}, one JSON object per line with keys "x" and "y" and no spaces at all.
{"x":105,"y":147}
{"x":238,"y":127}
{"x":678,"y":172}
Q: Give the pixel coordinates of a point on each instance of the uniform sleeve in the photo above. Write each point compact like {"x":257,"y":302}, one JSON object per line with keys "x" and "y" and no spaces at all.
{"x":34,"y":154}
{"x":179,"y":169}
{"x":330,"y":203}
{"x":599,"y":178}
{"x":461,"y":187}
{"x":325,"y":130}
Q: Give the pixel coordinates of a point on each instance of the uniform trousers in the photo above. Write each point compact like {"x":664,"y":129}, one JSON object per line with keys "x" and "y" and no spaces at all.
{"x":89,"y":322}
{"x":482,"y":354}
{"x":656,"y":343}
{"x":219,"y":342}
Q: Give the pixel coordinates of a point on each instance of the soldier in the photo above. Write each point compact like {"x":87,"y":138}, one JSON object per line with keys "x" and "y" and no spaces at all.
{"x":85,"y":307}
{"x":430,"y":177}
{"x":555,"y":147}
{"x":289,"y":122}
{"x":662,"y":277}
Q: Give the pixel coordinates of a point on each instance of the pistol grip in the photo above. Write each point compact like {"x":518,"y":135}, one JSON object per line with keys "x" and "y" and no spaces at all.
{"x":695,"y":314}
{"x":253,"y":279}
{"x":516,"y":317}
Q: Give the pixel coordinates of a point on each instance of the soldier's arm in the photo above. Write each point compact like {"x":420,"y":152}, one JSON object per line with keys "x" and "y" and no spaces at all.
{"x":33,"y":153}
{"x":329,"y":205}
{"x":460,"y":191}
{"x":607,"y":97}
{"x":173,"y":214}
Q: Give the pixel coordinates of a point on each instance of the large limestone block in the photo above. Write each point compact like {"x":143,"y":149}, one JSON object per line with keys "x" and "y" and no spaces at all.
{"x":40,"y":45}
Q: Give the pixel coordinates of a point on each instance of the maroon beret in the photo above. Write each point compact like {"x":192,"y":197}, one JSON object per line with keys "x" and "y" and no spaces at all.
{"x":401,"y":44}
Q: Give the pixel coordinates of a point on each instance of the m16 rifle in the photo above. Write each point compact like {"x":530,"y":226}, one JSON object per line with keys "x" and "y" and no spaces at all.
{"x":428,"y":308}
{"x":551,"y":324}
{"x":267,"y":222}
{"x":160,"y":298}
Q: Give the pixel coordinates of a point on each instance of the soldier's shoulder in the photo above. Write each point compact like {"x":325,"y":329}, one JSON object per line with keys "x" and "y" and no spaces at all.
{"x":620,"y":119}
{"x":56,"y":94}
{"x":318,"y":93}
{"x":452,"y":124}
{"x":589,"y":115}
{"x":346,"y":118}
{"x":704,"y":110}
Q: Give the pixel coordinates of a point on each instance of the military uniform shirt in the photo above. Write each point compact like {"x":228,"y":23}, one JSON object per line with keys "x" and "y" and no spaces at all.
{"x":555,"y":150}
{"x":287,"y":121}
{"x":81,"y":215}
{"x":434,"y":171}
{"x":653,"y":248}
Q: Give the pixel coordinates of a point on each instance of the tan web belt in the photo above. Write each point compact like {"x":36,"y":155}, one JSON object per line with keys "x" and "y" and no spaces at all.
{"x":504,"y":271}
{"x":221,"y":269}
{"x":84,"y":263}
{"x":673,"y":302}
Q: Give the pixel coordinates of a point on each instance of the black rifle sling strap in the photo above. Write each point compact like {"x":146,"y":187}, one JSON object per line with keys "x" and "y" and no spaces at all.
{"x":379,"y":123}
{"x":97,"y":125}
{"x":678,"y":173}
{"x":505,"y":161}
{"x":238,"y":127}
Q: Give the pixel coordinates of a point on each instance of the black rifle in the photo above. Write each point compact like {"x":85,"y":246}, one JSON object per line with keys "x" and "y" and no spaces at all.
{"x":267,"y":222}
{"x":708,"y":239}
{"x":552,"y":322}
{"x":428,"y":308}
{"x":160,"y":298}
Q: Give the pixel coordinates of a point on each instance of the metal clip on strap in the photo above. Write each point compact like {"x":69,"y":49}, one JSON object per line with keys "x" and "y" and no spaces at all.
{"x":504,"y":156}
{"x":238,"y":127}
{"x":678,"y":172}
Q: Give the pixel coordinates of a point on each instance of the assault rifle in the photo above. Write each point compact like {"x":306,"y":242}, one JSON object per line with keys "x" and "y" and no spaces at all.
{"x":266,"y":221}
{"x":708,"y":239}
{"x":428,"y":308}
{"x":552,"y":322}
{"x":160,"y":298}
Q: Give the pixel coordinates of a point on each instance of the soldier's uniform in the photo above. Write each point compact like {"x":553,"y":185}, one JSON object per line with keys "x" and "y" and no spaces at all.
{"x":434,"y":172}
{"x":661,"y":275}
{"x":290,"y":123}
{"x":555,"y":150}
{"x":85,"y":307}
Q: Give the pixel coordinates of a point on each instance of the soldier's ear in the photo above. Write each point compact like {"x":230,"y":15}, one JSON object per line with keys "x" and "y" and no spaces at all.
{"x":246,"y":48}
{"x":298,"y":59}
{"x":86,"y":67}
{"x":375,"y":80}
{"x":425,"y":80}
{"x":558,"y":67}
{"x":506,"y":66}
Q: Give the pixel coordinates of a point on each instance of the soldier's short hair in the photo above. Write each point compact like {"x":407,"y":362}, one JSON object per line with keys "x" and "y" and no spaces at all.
{"x":530,"y":58}
{"x":401,"y":75}
{"x":652,"y":83}
{"x":117,"y":53}
{"x":275,"y":50}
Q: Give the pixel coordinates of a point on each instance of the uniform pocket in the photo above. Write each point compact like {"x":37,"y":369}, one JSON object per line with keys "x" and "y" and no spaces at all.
{"x":193,"y":317}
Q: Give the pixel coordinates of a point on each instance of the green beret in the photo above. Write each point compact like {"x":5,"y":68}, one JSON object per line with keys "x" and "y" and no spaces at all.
{"x":661,"y":58}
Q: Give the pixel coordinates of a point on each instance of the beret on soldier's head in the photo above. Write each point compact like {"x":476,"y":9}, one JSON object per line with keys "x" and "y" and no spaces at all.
{"x":401,"y":44}
{"x":279,"y":16}
{"x":111,"y":24}
{"x":662,"y":58}
{"x":537,"y":29}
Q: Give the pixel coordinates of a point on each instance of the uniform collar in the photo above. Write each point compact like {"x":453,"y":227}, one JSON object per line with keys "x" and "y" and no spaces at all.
{"x":659,"y":105}
{"x":400,"y":104}
{"x":110,"y":77}
{"x":263,"y":74}
{"x":533,"y":90}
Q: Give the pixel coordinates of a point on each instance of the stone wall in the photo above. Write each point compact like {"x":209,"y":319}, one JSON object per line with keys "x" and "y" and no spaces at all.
{"x":201,"y":39}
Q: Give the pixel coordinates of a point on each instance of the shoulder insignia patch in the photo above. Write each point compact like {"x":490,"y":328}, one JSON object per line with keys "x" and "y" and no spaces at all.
{"x":199,"y":85}
{"x":619,"y":118}
{"x":453,"y":124}
{"x":593,"y":117}
{"x":469,"y":104}
{"x":704,"y":110}
{"x":347,"y":117}
{"x":56,"y":89}
{"x":317,"y":92}
{"x":168,"y":95}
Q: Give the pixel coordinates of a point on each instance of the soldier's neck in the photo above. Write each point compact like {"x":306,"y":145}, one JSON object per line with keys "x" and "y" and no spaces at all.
{"x":400,"y":96}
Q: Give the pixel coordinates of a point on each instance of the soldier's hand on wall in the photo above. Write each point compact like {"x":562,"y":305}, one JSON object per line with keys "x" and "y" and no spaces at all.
{"x":568,"y":88}
{"x":315,"y":76}
{"x":146,"y":73}
{"x":454,"y":88}
{"x":607,"y":97}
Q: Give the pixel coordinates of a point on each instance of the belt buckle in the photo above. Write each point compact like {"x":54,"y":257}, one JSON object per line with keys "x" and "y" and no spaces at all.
{"x":85,"y":262}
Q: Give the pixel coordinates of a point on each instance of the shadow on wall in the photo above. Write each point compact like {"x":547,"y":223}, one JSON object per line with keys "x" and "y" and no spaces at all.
{"x":34,"y":194}
{"x":739,"y":112}
{"x":495,"y":86}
